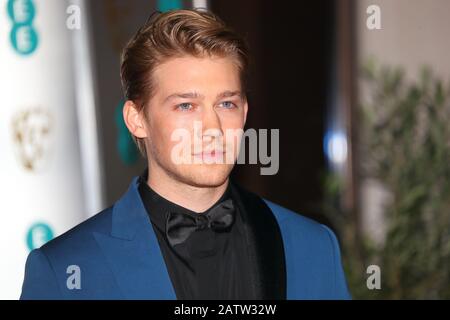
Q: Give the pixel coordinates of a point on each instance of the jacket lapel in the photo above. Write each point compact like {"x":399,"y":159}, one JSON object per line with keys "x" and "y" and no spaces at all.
{"x":265,"y":245}
{"x":133,"y":252}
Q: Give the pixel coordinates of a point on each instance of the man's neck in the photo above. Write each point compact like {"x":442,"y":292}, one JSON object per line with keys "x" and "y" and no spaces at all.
{"x":197,"y":199}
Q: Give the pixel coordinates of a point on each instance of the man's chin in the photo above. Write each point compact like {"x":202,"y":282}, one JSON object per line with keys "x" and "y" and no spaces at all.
{"x":205,"y":176}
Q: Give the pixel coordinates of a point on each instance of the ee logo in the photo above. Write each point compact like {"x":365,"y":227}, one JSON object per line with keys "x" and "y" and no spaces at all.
{"x":23,"y":36}
{"x":38,"y":234}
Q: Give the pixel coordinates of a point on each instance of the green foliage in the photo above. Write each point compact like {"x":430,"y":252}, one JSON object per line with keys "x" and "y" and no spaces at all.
{"x":404,"y":142}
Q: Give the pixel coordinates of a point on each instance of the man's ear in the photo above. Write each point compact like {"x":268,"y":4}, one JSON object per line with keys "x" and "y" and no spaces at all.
{"x":134,"y":120}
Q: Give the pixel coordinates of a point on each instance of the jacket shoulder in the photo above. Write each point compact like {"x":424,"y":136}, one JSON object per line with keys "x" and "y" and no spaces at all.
{"x":45,"y":267}
{"x":313,"y":253}
{"x":294,"y":220}
{"x":303,"y":230}
{"x":80,"y":235}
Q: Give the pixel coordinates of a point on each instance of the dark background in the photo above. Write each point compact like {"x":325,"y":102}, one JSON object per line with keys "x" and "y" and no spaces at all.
{"x":291,"y":51}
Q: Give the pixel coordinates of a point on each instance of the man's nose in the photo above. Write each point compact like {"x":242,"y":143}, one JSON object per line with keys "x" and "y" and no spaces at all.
{"x":211,"y":123}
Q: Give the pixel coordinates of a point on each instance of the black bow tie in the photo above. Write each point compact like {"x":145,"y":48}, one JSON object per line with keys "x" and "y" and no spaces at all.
{"x":179,"y":226}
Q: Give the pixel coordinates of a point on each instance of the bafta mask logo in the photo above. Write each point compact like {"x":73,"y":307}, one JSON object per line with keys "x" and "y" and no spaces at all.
{"x":31,"y":135}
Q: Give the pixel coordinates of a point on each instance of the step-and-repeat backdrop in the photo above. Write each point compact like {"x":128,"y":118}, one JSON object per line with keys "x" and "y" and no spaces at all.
{"x":41,"y":186}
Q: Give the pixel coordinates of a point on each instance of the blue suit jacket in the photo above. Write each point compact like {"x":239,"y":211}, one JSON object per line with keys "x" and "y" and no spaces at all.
{"x":118,"y":256}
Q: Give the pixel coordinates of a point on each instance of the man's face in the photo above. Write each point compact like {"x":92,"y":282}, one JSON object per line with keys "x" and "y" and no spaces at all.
{"x":197,"y":102}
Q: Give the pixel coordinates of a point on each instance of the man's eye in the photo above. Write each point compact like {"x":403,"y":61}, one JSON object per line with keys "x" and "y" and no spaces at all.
{"x":228,"y":105}
{"x":184,"y":106}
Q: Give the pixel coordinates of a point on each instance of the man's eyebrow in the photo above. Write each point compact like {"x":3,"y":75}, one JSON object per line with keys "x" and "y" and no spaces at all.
{"x":185,"y":95}
{"x":228,"y":94}
{"x":195,"y":95}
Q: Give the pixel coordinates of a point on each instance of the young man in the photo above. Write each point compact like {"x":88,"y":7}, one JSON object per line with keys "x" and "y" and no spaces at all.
{"x":183,"y":230}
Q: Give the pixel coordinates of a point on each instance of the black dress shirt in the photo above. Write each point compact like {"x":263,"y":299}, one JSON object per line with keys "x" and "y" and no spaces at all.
{"x":209,"y":264}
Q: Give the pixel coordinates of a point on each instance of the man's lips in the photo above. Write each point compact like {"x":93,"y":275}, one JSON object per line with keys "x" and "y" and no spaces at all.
{"x":209,"y":153}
